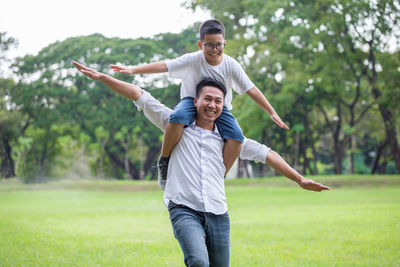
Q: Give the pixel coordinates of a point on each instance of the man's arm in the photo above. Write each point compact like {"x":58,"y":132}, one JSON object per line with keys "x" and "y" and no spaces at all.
{"x":156,"y":67}
{"x":156,"y":112}
{"x":123,"y":88}
{"x":252,"y":150}
{"x":260,"y":99}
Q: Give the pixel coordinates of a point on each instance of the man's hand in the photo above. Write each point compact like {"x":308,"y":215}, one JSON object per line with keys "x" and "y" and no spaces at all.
{"x":278,"y":121}
{"x":92,"y":74}
{"x":311,"y":185}
{"x":121,"y":69}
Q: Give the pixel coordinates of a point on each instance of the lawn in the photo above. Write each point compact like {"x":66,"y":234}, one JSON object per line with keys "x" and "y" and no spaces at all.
{"x":111,"y":223}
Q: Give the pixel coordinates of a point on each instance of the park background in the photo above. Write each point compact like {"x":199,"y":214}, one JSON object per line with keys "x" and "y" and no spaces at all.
{"x":70,"y":148}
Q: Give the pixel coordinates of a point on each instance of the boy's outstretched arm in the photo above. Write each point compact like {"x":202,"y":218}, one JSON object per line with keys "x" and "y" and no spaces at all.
{"x":156,"y":67}
{"x":125,"y":89}
{"x":260,"y":99}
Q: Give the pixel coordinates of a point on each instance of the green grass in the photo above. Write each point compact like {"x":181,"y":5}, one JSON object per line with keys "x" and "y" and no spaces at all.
{"x":105,"y":223}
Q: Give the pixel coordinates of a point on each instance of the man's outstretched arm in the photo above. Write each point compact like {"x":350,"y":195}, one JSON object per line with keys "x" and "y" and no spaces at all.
{"x":252,"y":150}
{"x":280,"y":165}
{"x":123,"y":88}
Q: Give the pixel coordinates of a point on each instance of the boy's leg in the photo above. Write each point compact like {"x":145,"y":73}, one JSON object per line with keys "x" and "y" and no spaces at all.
{"x":184,"y":114}
{"x":230,"y":152}
{"x":172,"y":135}
{"x":187,"y":225}
{"x":230,"y":132}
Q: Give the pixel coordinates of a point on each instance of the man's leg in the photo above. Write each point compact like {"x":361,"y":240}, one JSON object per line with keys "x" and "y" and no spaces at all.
{"x":230,"y":153}
{"x":187,"y":225}
{"x":217,"y":229}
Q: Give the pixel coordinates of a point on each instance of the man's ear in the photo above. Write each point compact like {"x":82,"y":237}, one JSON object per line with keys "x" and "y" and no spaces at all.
{"x":199,"y":44}
{"x":195,"y":101}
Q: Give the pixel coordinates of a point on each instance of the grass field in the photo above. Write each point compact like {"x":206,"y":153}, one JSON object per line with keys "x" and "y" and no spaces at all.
{"x":273,"y":223}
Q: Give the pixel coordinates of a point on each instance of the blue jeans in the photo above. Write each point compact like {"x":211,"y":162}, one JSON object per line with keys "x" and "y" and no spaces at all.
{"x":204,"y":237}
{"x":228,"y":127}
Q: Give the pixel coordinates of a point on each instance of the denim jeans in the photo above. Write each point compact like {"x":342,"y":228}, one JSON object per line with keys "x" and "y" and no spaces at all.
{"x":204,"y":237}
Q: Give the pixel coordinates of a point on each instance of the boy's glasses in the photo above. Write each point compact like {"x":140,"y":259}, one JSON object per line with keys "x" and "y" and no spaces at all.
{"x":210,"y":46}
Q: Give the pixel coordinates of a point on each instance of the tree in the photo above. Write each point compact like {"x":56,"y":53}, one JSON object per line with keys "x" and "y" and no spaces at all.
{"x":327,"y":54}
{"x":55,"y":94}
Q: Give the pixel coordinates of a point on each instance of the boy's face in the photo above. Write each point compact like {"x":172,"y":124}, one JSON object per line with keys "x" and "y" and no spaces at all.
{"x":213,"y":47}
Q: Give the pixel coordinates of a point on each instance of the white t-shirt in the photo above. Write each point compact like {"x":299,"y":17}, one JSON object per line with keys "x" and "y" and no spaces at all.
{"x":193,"y":67}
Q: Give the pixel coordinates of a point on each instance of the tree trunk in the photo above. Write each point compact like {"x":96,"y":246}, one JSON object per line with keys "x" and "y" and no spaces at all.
{"x":126,"y":160}
{"x":391,"y":135}
{"x":314,"y":151}
{"x":243,"y":169}
{"x":338,"y":158}
{"x":351,"y":159}
{"x":388,"y":119}
{"x":120,"y":163}
{"x":7,"y":168}
{"x":379,"y":152}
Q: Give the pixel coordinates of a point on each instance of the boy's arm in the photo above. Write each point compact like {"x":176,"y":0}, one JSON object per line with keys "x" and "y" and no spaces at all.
{"x":156,"y":67}
{"x":260,"y":99}
{"x":123,"y":88}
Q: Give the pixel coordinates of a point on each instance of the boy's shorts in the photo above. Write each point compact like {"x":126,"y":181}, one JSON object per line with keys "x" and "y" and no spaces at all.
{"x":228,"y":127}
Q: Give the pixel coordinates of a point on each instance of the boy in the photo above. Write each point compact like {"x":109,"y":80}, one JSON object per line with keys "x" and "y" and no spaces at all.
{"x":209,"y":61}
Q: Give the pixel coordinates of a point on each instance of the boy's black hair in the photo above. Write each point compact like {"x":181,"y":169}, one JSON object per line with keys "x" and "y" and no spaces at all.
{"x":209,"y":82}
{"x":211,"y":26}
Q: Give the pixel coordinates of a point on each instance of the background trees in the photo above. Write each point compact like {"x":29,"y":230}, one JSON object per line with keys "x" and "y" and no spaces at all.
{"x":330,"y":69}
{"x":326,"y":64}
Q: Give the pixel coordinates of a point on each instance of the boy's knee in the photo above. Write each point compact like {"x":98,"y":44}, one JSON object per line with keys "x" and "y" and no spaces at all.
{"x":179,"y":118}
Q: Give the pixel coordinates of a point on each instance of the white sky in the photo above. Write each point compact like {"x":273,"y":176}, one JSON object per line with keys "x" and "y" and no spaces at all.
{"x":37,"y":23}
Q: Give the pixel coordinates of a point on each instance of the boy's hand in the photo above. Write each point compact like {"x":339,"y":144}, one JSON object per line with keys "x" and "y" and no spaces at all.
{"x":278,"y":121}
{"x":92,"y":74}
{"x":121,"y":69}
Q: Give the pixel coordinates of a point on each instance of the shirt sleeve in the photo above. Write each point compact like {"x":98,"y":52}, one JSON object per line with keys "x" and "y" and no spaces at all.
{"x":155,"y":112}
{"x":252,"y":150}
{"x":179,"y":67}
{"x":241,"y":82}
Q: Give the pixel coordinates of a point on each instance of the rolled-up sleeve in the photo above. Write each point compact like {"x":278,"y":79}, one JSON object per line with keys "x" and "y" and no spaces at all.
{"x":252,"y":150}
{"x":157,"y":113}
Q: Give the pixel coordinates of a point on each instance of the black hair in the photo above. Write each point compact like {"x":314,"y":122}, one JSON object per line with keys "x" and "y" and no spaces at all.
{"x":209,"y":82}
{"x":211,"y":26}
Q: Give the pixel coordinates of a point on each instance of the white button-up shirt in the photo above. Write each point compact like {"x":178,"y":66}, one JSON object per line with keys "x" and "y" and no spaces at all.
{"x":196,"y":169}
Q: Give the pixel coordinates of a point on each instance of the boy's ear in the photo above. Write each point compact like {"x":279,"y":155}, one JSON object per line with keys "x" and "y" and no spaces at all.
{"x":200,"y":44}
{"x":195,"y":101}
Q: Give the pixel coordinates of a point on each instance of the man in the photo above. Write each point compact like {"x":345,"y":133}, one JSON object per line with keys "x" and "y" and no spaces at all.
{"x":194,"y":192}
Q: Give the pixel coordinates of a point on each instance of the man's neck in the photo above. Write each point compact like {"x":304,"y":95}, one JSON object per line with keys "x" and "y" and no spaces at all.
{"x":207,"y":125}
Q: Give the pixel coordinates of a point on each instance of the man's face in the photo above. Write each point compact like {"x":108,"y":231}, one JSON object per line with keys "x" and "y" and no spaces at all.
{"x":209,"y":104}
{"x":213,"y":47}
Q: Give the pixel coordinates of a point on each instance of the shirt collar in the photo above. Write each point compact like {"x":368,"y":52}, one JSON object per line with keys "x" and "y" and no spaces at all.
{"x":197,"y":128}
